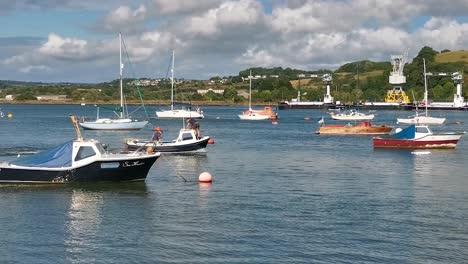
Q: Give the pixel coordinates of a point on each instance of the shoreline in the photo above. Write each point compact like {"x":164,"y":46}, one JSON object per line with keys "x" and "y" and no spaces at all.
{"x":147,"y":103}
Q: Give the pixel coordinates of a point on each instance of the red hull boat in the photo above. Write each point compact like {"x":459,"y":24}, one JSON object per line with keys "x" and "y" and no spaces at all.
{"x":418,"y":137}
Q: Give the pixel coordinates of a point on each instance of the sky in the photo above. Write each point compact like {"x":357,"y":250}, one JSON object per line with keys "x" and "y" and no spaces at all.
{"x":77,"y":40}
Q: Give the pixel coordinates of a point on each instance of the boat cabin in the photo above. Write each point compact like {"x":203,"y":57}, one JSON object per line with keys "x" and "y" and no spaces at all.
{"x":186,"y":134}
{"x":70,"y":154}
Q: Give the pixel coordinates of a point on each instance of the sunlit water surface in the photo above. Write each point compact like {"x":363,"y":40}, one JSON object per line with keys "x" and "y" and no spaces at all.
{"x":281,"y":194}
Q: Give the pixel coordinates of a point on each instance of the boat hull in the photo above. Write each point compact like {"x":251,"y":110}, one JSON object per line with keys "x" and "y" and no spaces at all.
{"x":168,"y":146}
{"x":134,"y":125}
{"x":179,"y":114}
{"x":421,"y":120}
{"x":448,"y":141}
{"x":352,"y":117}
{"x":255,"y":117}
{"x":98,"y":171}
{"x":354,"y":130}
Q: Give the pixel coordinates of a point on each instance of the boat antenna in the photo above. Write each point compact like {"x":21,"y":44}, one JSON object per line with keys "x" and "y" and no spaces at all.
{"x":121,"y":66}
{"x":172,"y":82}
{"x":77,"y":128}
{"x":250,"y":90}
{"x":425,"y":84}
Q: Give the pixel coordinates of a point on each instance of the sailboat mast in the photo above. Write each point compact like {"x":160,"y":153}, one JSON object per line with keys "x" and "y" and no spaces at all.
{"x":121,"y":73}
{"x":250,"y":90}
{"x":425,"y":85}
{"x":172,"y":82}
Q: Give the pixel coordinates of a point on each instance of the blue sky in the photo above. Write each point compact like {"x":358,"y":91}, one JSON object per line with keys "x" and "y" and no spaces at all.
{"x":76,"y":41}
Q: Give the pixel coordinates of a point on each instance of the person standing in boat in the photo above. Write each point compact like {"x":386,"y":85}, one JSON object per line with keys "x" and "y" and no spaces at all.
{"x":157,"y":137}
{"x":192,"y":124}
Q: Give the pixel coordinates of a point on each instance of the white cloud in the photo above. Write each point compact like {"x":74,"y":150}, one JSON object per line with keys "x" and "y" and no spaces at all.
{"x":255,"y":57}
{"x":64,"y":48}
{"x":225,"y":36}
{"x":35,"y":68}
{"x":171,"y":7}
{"x":124,"y":19}
{"x":229,"y":16}
{"x":443,"y":33}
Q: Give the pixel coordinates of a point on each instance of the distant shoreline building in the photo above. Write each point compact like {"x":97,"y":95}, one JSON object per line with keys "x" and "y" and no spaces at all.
{"x":59,"y":97}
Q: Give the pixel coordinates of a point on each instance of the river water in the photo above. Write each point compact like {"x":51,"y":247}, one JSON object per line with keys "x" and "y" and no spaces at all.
{"x":281,"y":194}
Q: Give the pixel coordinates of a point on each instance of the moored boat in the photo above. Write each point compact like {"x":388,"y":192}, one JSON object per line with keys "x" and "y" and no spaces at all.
{"x":123,"y":121}
{"x":186,"y":141}
{"x":266,"y":113}
{"x":365,"y":128}
{"x":417,"y":137}
{"x":186,"y":112}
{"x":352,"y":115}
{"x":423,"y":119}
{"x":80,"y":160}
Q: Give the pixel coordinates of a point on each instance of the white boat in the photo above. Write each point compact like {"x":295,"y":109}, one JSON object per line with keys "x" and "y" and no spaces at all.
{"x":178,"y":113}
{"x":187,"y":141}
{"x":123,"y":122}
{"x":265,"y":114}
{"x":352,"y":115}
{"x":422,"y":119}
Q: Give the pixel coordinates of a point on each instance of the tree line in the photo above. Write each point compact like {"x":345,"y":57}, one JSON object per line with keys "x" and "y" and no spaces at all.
{"x":352,"y":82}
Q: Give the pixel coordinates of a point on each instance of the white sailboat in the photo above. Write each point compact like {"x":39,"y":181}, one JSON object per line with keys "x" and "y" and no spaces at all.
{"x":178,"y":113}
{"x":251,"y":114}
{"x":422,"y":119}
{"x":123,"y":122}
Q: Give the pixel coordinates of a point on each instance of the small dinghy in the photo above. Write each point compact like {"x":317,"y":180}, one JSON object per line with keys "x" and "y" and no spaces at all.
{"x":80,"y":160}
{"x":185,"y":142}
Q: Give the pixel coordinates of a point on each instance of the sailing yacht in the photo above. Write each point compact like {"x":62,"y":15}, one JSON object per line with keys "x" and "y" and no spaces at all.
{"x":178,"y":113}
{"x":422,"y":119}
{"x":251,"y":114}
{"x":123,"y":122}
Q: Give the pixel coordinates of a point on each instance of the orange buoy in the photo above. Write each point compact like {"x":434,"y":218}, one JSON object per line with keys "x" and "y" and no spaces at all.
{"x":210,"y":141}
{"x":306,"y":118}
{"x":274,"y":122}
{"x":205,"y":177}
{"x":149,"y":150}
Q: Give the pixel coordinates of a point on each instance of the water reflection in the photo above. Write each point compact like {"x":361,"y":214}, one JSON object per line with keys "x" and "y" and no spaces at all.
{"x":186,"y":166}
{"x":204,"y":189}
{"x":87,"y":215}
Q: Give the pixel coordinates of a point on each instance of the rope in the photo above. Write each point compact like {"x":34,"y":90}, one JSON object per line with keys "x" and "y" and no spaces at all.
{"x":134,"y":75}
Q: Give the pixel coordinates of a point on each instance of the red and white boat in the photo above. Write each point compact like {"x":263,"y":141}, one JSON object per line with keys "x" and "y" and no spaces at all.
{"x":418,"y":137}
{"x":266,"y":113}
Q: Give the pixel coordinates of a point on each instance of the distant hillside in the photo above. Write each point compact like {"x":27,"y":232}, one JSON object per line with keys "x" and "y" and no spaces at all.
{"x":364,"y":66}
{"x":452,"y":56}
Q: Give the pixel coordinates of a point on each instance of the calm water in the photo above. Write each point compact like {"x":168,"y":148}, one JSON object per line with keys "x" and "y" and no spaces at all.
{"x":281,"y":194}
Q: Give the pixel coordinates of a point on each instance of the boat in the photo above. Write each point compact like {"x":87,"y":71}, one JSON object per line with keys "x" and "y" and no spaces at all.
{"x":178,"y":113}
{"x":417,"y":137}
{"x":266,"y":113}
{"x":79,"y":160}
{"x":364,"y":128}
{"x":123,"y":122}
{"x":422,"y":119}
{"x":352,"y":115}
{"x":187,"y":141}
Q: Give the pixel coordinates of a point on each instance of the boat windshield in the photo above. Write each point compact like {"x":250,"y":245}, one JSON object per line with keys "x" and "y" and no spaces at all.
{"x":100,"y":148}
